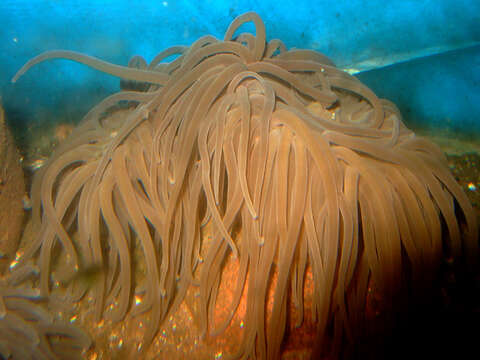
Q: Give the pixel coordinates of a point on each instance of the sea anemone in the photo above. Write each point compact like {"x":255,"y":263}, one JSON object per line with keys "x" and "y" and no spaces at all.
{"x":294,"y":163}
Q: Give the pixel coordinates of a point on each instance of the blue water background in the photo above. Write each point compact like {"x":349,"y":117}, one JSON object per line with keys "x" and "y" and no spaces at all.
{"x":423,"y":55}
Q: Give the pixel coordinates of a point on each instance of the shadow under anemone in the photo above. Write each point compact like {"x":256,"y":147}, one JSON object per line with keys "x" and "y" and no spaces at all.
{"x":294,"y":163}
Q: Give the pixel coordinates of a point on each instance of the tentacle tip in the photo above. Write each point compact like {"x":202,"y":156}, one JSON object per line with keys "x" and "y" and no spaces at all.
{"x":17,"y":76}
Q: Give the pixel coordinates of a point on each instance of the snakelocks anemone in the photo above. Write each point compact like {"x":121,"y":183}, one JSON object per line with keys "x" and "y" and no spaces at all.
{"x":294,"y":165}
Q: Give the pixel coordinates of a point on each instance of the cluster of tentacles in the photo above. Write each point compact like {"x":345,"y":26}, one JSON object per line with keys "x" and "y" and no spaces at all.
{"x":28,"y":330}
{"x":295,"y":164}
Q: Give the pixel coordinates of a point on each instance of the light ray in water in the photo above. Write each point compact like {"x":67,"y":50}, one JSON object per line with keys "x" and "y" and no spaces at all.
{"x":396,"y":58}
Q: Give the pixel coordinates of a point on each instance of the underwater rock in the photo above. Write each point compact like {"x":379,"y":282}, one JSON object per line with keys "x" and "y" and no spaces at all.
{"x":12,"y":190}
